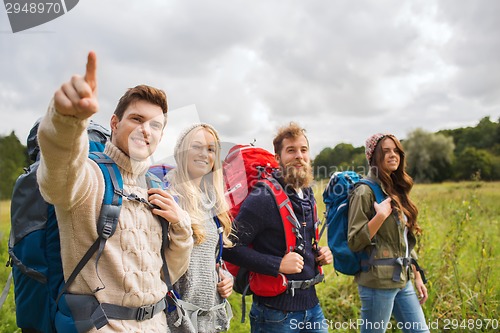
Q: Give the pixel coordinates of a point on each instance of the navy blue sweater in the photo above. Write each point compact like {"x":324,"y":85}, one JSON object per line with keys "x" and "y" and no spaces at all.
{"x":259,"y":223}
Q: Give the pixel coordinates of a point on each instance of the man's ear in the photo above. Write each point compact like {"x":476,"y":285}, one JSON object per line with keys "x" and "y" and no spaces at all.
{"x":113,"y":123}
{"x":277,"y":157}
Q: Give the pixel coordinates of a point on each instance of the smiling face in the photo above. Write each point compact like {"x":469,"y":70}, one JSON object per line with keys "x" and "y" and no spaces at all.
{"x":391,"y":155}
{"x":295,"y":162}
{"x":201,"y":154}
{"x":139,"y":131}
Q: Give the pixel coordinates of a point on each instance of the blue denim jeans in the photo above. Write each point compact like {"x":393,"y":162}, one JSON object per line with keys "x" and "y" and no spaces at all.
{"x":378,"y":304}
{"x":267,"y":320}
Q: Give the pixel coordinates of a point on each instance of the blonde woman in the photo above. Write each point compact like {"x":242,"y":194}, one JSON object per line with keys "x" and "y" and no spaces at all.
{"x":197,"y":183}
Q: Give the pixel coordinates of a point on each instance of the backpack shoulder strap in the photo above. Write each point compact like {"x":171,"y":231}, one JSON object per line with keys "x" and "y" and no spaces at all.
{"x":220,"y":232}
{"x":108,"y":217}
{"x":317,"y":235}
{"x":291,"y":225}
{"x":153,"y":181}
{"x":376,"y":189}
{"x":113,"y":192}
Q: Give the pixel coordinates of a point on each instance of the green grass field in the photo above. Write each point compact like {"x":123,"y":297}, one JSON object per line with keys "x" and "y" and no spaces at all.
{"x":458,"y":250}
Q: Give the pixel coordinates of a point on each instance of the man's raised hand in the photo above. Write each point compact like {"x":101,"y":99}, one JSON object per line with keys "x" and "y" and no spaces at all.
{"x":78,"y":97}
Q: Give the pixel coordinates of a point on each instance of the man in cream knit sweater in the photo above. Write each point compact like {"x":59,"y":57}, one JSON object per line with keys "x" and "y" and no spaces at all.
{"x":128,"y":272}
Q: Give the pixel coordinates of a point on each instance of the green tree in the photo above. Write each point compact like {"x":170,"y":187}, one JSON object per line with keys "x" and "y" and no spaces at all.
{"x":343,"y":156}
{"x":321,"y":163}
{"x":429,"y":156}
{"x":485,"y":135}
{"x":474,"y":163}
{"x":13,"y":157}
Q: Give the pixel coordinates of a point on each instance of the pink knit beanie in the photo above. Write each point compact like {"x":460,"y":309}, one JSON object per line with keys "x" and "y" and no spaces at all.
{"x":371,"y":144}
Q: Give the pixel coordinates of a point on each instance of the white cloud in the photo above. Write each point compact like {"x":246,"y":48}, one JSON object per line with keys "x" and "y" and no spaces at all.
{"x":342,"y":69}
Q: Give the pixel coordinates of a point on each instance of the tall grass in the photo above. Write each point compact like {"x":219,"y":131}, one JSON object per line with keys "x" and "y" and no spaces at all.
{"x":7,"y":313}
{"x":458,"y":250}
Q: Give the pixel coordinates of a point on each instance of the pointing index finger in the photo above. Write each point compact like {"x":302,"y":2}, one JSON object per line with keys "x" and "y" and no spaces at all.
{"x":91,"y":70}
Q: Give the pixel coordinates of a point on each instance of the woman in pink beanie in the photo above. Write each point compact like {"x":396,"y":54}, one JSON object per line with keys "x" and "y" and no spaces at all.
{"x":386,"y":231}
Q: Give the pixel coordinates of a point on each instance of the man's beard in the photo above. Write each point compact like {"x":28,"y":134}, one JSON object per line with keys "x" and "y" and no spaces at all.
{"x":298,"y":178}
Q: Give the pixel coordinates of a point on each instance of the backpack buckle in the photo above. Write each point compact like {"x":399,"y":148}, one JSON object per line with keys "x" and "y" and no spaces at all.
{"x":307,"y":284}
{"x":406,"y":262}
{"x":145,"y":312}
{"x":300,"y":248}
{"x":107,"y":230}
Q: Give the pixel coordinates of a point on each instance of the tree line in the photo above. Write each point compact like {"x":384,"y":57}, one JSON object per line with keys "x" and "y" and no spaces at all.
{"x":13,"y":158}
{"x":457,"y":154}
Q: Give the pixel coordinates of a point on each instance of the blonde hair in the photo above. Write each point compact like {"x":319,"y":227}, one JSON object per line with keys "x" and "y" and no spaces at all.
{"x":212,"y":185}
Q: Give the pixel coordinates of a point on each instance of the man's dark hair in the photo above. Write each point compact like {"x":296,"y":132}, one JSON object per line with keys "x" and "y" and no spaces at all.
{"x":141,"y":93}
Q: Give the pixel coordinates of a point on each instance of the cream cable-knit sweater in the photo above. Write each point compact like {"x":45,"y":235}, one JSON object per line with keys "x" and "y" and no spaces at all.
{"x":131,"y":263}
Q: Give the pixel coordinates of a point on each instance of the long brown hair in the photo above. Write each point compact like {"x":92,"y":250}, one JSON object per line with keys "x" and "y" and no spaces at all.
{"x":397,"y":184}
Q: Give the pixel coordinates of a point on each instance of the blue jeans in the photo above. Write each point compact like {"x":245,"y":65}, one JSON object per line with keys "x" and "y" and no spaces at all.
{"x":378,"y":304}
{"x":267,"y":320}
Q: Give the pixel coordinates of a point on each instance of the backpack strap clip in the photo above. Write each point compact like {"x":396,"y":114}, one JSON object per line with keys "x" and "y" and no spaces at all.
{"x":108,"y":220}
{"x":88,"y":312}
{"x":399,"y":264}
{"x":145,"y":312}
{"x":304,"y":284}
{"x":140,"y":313}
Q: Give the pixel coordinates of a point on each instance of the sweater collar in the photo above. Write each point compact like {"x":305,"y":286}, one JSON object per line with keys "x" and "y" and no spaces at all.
{"x":131,"y":169}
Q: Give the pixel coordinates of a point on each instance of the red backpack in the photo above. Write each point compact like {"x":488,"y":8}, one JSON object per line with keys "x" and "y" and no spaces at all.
{"x":246,"y":167}
{"x":243,"y":166}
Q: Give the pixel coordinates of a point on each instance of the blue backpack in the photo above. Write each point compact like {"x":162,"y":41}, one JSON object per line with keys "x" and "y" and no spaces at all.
{"x":34,"y":246}
{"x":42,"y":303}
{"x":336,"y":199}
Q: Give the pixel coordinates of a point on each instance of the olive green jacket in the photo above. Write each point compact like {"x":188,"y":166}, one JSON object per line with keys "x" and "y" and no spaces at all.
{"x":387,"y":243}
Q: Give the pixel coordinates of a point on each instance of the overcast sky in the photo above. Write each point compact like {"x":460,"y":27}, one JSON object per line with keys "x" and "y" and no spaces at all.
{"x":342,"y":69}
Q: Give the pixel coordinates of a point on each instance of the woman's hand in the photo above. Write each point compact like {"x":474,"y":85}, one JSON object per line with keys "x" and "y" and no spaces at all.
{"x":167,"y":206}
{"x":225,"y":286}
{"x":384,"y":208}
{"x":420,"y":288}
{"x":324,"y":256}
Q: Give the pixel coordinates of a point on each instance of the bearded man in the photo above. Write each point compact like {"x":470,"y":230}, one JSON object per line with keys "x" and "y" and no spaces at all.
{"x":260,"y":225}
